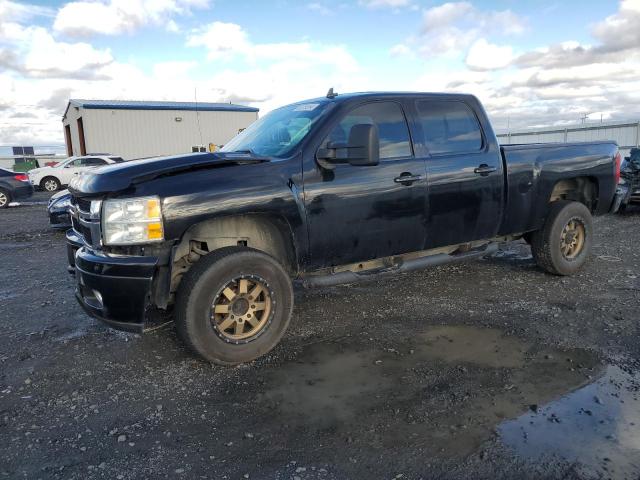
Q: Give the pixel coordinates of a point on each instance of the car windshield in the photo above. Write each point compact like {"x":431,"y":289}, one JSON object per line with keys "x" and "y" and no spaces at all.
{"x":64,"y":163}
{"x":279,"y":132}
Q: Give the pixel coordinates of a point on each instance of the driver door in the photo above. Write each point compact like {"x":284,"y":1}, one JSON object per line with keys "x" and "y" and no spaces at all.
{"x":359,"y":213}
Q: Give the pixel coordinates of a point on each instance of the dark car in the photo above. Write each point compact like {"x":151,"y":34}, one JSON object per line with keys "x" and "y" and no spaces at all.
{"x":326,"y":191}
{"x":630,"y":181}
{"x":13,"y":187}
{"x":58,"y":209}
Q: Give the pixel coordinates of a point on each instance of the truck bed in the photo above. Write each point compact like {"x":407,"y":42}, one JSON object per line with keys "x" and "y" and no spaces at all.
{"x":533,"y":170}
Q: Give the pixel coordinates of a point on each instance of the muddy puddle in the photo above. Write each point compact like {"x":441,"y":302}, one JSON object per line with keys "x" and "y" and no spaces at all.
{"x":596,"y":427}
{"x":443,"y":392}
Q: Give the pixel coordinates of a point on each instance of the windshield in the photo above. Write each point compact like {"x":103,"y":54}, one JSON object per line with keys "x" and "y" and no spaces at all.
{"x":64,"y":163}
{"x":279,"y":132}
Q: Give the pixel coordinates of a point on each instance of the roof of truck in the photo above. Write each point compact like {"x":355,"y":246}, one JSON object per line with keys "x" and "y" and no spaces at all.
{"x":351,"y":95}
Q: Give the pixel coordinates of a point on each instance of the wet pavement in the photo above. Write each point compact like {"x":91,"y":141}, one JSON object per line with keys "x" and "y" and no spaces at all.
{"x":491,"y":369}
{"x":596,"y":426}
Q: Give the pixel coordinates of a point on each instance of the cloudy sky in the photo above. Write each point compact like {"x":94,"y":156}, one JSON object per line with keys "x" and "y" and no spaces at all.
{"x":533,"y":63}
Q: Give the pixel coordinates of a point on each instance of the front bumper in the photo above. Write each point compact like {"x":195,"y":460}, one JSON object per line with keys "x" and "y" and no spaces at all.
{"x":114,"y":289}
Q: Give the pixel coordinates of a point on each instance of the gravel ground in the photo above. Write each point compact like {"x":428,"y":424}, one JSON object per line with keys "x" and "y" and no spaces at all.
{"x":490,"y":369}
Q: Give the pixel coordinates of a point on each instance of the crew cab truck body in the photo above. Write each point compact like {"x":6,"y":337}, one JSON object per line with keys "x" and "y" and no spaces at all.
{"x":321,"y":192}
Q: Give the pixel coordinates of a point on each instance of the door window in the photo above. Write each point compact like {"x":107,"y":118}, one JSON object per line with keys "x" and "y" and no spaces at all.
{"x":449,"y":127}
{"x":392,"y":128}
{"x":76,"y":163}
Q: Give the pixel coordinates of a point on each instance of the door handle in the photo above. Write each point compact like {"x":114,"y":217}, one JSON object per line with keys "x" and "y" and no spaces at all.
{"x":406,"y":178}
{"x":484,"y":170}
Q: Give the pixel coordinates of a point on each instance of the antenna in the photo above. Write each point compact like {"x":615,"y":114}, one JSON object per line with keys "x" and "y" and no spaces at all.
{"x":195,"y":95}
{"x":331,"y":94}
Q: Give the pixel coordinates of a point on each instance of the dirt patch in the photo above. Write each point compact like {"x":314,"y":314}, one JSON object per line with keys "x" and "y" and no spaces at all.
{"x":330,"y":386}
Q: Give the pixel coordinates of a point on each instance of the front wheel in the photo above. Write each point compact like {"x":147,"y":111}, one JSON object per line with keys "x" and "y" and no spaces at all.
{"x":234,"y":305}
{"x":563,"y":244}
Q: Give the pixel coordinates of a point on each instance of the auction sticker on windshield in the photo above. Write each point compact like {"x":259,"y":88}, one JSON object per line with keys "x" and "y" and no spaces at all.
{"x":307,"y":107}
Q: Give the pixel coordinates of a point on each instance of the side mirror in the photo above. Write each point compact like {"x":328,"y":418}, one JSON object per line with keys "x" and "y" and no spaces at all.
{"x":362,"y":149}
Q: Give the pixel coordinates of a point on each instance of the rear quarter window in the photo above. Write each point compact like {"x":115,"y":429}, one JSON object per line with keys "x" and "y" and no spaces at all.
{"x":449,"y":127}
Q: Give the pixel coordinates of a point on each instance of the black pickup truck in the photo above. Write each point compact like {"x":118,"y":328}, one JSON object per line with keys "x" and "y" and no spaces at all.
{"x":320,"y":192}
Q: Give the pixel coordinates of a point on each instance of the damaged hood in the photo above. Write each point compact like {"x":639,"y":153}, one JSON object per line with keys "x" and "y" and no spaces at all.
{"x":120,"y":176}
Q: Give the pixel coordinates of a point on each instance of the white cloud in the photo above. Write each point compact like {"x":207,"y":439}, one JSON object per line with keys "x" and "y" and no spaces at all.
{"x":228,"y":41}
{"x":272,"y":74}
{"x":33,"y":52}
{"x":220,"y":39}
{"x":621,"y":31}
{"x":442,"y":16}
{"x":486,"y":56}
{"x":119,"y":16}
{"x":451,"y":28}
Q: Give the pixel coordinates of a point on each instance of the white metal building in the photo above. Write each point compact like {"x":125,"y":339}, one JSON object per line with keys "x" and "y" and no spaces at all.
{"x":626,"y":134}
{"x":134,"y":129}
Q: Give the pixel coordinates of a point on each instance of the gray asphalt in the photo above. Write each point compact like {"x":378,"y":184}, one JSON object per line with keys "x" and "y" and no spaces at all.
{"x":491,"y":369}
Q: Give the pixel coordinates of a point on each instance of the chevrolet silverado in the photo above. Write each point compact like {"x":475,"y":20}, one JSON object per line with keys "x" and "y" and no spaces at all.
{"x":321,"y":192}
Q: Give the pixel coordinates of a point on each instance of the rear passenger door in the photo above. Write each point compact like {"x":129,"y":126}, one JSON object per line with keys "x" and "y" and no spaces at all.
{"x":358,"y":213}
{"x":464,"y":174}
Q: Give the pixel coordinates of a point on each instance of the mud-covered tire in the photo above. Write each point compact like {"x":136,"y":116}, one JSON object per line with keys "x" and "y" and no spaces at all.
{"x":5,"y":198}
{"x":50,"y":184}
{"x":546,"y":242}
{"x":204,"y":283}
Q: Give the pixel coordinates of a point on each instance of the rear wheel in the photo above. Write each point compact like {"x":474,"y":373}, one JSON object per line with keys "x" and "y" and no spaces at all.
{"x":563,"y":244}
{"x":50,"y":184}
{"x":234,"y":305}
{"x":5,"y":198}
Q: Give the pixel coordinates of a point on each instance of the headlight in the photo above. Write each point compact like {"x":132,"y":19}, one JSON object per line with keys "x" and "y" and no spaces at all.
{"x":131,"y":221}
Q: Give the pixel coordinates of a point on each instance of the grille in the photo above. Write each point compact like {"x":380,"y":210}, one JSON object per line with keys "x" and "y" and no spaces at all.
{"x":82,"y":223}
{"x":82,"y":204}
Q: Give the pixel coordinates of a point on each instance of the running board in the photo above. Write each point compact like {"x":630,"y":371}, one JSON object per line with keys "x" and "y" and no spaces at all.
{"x":314,"y":281}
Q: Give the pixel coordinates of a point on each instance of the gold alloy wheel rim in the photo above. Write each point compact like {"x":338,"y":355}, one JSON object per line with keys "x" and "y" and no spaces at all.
{"x":242,"y":309}
{"x":572,"y":239}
